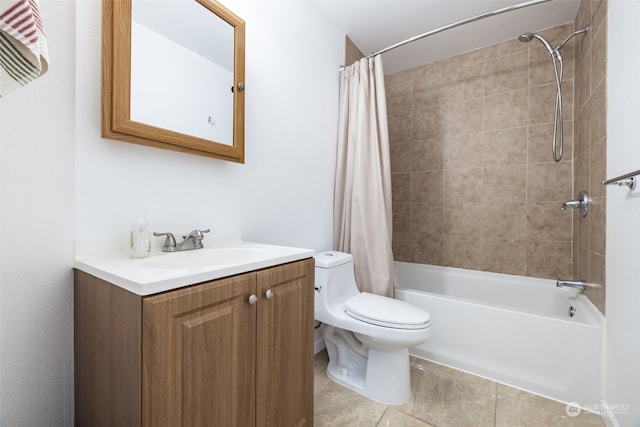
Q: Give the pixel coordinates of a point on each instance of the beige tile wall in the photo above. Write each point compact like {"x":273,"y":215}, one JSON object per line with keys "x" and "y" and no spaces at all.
{"x":474,"y":184}
{"x":591,"y":146}
{"x":351,"y":53}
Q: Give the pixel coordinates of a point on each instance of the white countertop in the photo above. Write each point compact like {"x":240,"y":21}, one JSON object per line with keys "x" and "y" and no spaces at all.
{"x":108,"y":259}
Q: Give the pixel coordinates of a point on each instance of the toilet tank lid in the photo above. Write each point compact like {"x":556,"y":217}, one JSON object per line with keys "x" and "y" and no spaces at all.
{"x":329,"y":259}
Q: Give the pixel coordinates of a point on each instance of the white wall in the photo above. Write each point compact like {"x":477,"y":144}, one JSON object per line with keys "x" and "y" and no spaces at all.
{"x":60,"y":180}
{"x":282,"y":194}
{"x":622,"y":358}
{"x":36,"y":205}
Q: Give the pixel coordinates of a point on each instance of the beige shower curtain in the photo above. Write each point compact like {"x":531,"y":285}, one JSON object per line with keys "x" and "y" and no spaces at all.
{"x":362,"y":205}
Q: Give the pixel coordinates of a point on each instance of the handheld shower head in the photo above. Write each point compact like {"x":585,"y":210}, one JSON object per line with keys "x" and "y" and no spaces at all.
{"x":556,"y":59}
{"x":527,"y":37}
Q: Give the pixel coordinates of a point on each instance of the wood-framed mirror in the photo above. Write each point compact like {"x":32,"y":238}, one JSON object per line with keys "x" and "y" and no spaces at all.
{"x":174,"y":81}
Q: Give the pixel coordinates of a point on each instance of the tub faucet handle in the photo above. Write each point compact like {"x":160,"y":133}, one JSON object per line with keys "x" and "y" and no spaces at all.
{"x":582,"y":203}
{"x":571,"y":204}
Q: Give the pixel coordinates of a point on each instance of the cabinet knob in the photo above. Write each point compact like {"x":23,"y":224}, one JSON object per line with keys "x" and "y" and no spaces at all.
{"x":269,"y":294}
{"x":253,"y":299}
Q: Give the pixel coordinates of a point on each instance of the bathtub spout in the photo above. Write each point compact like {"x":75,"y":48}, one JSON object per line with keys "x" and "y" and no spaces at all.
{"x":578,"y":284}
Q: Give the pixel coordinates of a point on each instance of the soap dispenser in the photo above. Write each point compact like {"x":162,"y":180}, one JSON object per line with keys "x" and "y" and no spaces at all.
{"x":140,"y":238}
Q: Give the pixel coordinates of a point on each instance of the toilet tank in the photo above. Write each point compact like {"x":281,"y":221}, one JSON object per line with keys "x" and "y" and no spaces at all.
{"x":335,"y":278}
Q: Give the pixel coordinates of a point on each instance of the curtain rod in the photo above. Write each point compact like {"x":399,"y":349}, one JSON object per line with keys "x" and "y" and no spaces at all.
{"x":457,"y":24}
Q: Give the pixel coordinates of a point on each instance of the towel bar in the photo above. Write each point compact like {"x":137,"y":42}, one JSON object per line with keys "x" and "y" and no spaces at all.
{"x":627,"y":179}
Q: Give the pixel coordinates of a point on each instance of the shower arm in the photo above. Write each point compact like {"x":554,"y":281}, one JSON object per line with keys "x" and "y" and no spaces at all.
{"x":570,"y":36}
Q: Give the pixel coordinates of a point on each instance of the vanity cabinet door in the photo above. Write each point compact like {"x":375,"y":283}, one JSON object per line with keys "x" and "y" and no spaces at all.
{"x":199,"y":353}
{"x":284,"y":380}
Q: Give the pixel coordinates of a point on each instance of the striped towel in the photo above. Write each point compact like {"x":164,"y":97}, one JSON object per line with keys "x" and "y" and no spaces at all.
{"x":23,"y":48}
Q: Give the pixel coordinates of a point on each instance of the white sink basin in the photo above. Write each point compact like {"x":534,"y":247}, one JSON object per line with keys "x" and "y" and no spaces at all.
{"x":200,"y":258}
{"x":224,"y":255}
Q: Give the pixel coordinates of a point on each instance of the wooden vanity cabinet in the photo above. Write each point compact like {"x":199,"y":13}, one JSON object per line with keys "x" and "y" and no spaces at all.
{"x":197,"y":356}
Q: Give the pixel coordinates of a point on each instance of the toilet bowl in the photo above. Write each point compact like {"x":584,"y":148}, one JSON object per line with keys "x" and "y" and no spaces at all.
{"x":367,"y":336}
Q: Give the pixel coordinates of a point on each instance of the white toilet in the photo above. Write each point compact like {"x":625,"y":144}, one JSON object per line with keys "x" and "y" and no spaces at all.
{"x":367,"y":336}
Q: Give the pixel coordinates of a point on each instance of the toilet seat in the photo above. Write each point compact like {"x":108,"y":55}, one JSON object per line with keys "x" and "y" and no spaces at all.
{"x":386,"y":312}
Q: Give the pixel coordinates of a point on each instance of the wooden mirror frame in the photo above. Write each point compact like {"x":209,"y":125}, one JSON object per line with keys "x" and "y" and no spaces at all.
{"x":116,"y":88}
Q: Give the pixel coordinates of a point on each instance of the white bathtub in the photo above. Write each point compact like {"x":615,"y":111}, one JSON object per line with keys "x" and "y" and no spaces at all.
{"x":512,"y":329}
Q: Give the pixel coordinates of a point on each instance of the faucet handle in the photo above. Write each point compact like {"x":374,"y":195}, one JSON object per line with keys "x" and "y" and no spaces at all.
{"x":169,"y":242}
{"x":197,"y":234}
{"x":582,"y":203}
{"x":197,"y":238}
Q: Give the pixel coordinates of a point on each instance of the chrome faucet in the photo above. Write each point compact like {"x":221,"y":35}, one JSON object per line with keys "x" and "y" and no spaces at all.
{"x":191,"y":241}
{"x":573,"y":204}
{"x":582,"y":203}
{"x":581,"y":285}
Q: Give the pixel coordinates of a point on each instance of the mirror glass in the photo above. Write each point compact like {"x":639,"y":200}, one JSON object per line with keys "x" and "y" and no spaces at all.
{"x":177,"y":76}
{"x":182,"y":56}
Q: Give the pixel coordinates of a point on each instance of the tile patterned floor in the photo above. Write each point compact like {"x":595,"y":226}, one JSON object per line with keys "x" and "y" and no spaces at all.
{"x":442,"y":397}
